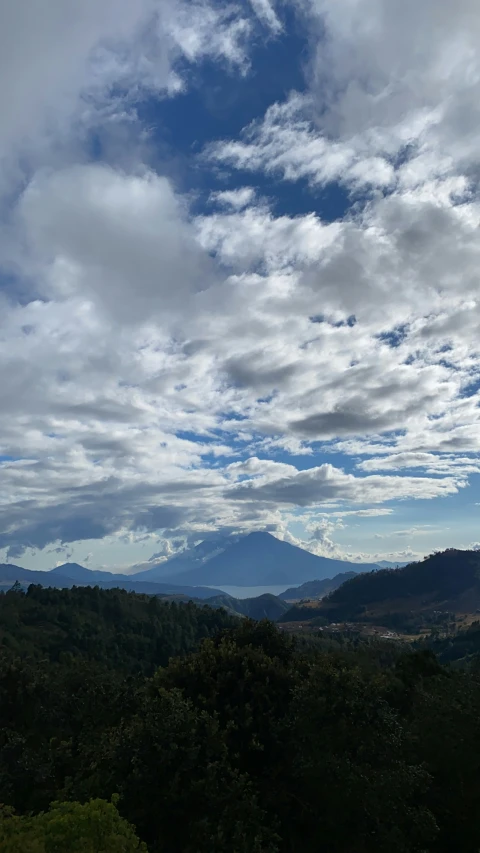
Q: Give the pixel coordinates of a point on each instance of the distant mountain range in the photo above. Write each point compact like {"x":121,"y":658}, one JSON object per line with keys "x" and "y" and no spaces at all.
{"x":71,"y":574}
{"x":255,"y":559}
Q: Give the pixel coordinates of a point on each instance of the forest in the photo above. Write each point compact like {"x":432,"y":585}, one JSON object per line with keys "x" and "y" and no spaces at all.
{"x":128,"y":723}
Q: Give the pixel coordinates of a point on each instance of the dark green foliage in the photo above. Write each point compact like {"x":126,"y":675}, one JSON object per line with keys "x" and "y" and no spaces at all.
{"x":262,"y":607}
{"x":460,"y":648}
{"x":169,"y":761}
{"x":250,"y":742}
{"x":302,"y":613}
{"x":349,"y":759}
{"x":95,"y":827}
{"x":443,"y":575}
{"x":134,"y":633}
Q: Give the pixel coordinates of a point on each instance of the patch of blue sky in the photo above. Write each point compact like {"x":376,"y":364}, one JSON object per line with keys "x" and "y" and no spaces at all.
{"x":314,"y":459}
{"x":446,"y":511}
{"x":394,"y":337}
{"x":472,"y":388}
{"x":218,"y":103}
{"x":350,"y":321}
{"x":233,"y":416}
{"x":16,"y":289}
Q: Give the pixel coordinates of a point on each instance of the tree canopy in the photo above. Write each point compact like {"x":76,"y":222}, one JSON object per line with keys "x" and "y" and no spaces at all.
{"x":242,"y":739}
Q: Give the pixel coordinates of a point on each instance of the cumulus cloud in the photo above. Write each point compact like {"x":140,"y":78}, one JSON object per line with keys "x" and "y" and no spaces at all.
{"x":326,"y":483}
{"x":53,"y":52}
{"x":235,"y":199}
{"x":123,"y":240}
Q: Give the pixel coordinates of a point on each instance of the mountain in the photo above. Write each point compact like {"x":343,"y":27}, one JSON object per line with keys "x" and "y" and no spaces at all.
{"x":316,"y":588}
{"x":256,"y":559}
{"x":80,"y":576}
{"x":447,"y":582}
{"x":80,"y":573}
{"x":9,"y":574}
{"x":191,"y":558}
{"x":388,"y":564}
{"x":263,"y":607}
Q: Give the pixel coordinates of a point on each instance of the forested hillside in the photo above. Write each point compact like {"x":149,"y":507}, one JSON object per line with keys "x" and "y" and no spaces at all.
{"x":316,"y":588}
{"x":462,"y":648}
{"x":251,"y":743}
{"x":448,"y":581}
{"x":125,"y":631}
{"x":265,"y":606}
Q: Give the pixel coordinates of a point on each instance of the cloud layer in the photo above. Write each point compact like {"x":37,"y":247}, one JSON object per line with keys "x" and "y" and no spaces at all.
{"x":171,"y":367}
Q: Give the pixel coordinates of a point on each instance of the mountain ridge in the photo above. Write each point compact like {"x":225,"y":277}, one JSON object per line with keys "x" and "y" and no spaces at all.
{"x":9,"y":574}
{"x":78,"y":572}
{"x":316,"y":588}
{"x":447,"y":581}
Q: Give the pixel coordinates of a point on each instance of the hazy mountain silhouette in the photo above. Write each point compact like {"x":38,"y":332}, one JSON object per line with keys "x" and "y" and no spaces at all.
{"x":80,"y":573}
{"x":80,"y":576}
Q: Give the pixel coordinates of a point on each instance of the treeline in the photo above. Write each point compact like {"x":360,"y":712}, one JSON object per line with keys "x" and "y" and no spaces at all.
{"x":126,"y":631}
{"x":252,"y":743}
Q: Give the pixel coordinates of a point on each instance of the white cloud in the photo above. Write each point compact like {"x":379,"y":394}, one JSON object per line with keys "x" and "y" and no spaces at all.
{"x":430,"y":462}
{"x":286,"y":143}
{"x":45,"y":51}
{"x":374,"y":512}
{"x":60,"y":62}
{"x":235,"y":199}
{"x":407,"y":555}
{"x":325,"y":483}
{"x":266,"y":12}
{"x":123,"y":240}
{"x":380,"y":64}
{"x":202,"y":29}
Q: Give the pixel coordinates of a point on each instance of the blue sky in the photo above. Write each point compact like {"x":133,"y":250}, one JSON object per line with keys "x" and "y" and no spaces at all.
{"x":238,"y":277}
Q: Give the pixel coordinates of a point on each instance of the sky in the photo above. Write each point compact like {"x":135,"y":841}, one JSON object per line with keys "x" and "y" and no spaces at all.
{"x":239,"y":277}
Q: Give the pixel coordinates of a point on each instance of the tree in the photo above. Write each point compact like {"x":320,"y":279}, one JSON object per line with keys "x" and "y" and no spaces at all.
{"x":349,"y":783}
{"x":245,"y":679}
{"x":170,"y":764}
{"x":95,"y":827}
